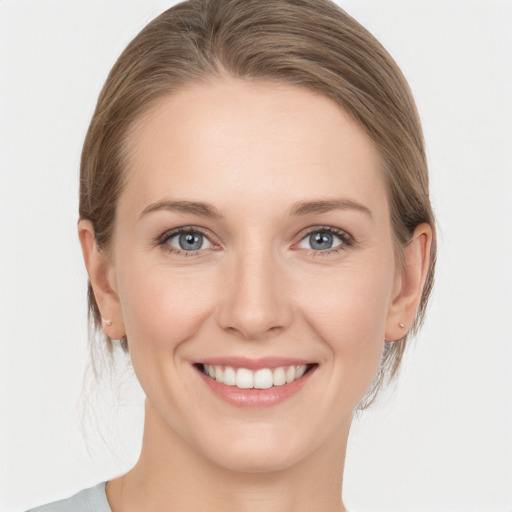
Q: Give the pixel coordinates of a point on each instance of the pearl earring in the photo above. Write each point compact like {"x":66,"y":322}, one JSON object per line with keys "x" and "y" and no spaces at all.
{"x":401,"y":325}
{"x":108,"y":322}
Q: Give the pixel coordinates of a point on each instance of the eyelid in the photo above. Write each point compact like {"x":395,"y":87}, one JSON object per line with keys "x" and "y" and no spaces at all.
{"x":341,"y":233}
{"x":162,"y":239}
{"x":178,"y":230}
{"x":346,"y":238}
{"x":205,"y":239}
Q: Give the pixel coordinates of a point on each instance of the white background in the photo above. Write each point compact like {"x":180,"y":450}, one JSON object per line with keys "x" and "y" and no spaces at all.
{"x":441,"y":440}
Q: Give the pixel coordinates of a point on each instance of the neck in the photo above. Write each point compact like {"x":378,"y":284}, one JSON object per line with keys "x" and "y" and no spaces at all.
{"x":172,"y":477}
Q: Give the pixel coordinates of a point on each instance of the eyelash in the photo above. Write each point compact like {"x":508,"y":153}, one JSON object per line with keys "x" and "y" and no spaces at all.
{"x":165,"y":237}
{"x":346,"y":240}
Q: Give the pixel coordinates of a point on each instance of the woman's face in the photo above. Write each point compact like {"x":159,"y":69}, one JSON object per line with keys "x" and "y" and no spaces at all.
{"x":253,"y":233}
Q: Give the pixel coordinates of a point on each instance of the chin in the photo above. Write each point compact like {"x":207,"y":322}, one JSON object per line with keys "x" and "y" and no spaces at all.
{"x":261,"y":461}
{"x":258,"y":452}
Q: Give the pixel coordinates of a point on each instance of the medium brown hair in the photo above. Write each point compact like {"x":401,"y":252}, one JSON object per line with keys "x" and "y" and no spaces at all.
{"x":308,"y":43}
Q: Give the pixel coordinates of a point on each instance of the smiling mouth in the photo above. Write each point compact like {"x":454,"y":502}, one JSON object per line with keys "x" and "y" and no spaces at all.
{"x":263,"y":378}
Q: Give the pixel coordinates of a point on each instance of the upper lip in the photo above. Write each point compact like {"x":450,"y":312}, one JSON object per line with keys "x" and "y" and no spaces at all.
{"x":254,"y":364}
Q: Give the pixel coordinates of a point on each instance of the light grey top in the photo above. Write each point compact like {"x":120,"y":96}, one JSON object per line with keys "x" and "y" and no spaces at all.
{"x":93,"y":499}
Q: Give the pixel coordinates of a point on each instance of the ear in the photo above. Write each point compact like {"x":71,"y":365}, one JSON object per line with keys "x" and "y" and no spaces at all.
{"x":409,"y":283}
{"x":102,"y":278}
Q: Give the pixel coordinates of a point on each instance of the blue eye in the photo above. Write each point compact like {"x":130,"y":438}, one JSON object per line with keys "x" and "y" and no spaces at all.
{"x":188,"y":241}
{"x":323,"y":240}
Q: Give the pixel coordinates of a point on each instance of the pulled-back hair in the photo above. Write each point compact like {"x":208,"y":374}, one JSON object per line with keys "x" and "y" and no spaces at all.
{"x":308,"y":43}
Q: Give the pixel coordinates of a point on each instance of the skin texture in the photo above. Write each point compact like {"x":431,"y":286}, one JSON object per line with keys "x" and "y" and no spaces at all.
{"x":257,"y":288}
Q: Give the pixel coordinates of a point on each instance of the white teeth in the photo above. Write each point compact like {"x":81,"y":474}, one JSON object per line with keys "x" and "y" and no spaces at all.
{"x":263,"y":378}
{"x":299,"y":371}
{"x":290,"y":374}
{"x":279,"y":376}
{"x":244,"y":378}
{"x":229,"y":376}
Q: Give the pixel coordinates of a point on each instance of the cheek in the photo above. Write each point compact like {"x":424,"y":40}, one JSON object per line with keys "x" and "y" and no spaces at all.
{"x":162,"y":310}
{"x":347,"y":308}
{"x":163,"y":307}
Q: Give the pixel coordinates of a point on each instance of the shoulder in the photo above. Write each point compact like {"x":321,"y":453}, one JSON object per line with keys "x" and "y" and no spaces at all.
{"x":93,"y":499}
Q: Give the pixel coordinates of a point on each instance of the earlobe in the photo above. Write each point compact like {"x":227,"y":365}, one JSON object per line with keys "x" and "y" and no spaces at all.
{"x":101,"y":277}
{"x":410,"y":282}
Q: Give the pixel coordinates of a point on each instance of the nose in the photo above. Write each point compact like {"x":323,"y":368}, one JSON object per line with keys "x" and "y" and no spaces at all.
{"x":255,"y":301}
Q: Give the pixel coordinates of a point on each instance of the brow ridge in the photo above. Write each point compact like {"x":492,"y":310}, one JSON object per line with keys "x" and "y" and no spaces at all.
{"x":300,"y":208}
{"x":192,"y":207}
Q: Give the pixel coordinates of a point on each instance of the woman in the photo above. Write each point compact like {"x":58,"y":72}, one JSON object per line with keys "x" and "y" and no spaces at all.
{"x":256,"y":226}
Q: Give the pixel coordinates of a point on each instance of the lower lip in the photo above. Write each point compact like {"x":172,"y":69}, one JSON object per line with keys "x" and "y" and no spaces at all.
{"x":256,"y":397}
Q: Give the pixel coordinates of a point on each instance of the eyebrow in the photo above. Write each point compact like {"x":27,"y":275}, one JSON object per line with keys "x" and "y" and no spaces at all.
{"x":312,"y":207}
{"x":300,"y":208}
{"x":192,"y":207}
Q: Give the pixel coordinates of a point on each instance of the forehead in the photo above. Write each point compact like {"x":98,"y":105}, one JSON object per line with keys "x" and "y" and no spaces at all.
{"x":256,"y":141}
